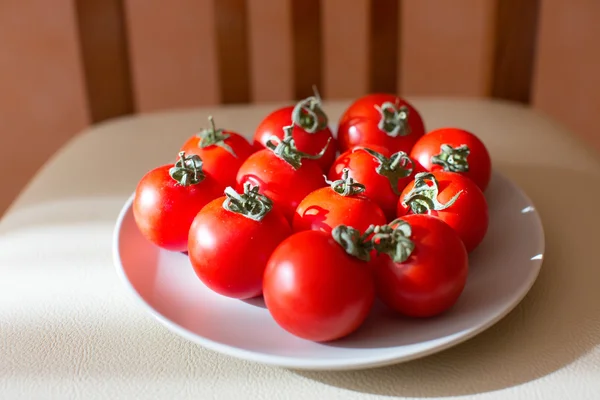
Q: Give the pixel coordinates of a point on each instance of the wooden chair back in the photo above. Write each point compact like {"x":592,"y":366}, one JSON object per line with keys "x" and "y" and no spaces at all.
{"x":67,"y":64}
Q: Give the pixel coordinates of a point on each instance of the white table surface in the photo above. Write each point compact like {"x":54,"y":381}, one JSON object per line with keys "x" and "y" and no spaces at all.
{"x":68,"y":329}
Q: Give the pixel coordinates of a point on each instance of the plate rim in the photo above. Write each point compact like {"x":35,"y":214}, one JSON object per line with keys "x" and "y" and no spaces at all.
{"x":311,"y":364}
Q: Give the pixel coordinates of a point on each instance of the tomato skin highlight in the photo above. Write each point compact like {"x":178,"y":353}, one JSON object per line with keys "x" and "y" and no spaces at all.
{"x":311,"y":143}
{"x":358,"y":125}
{"x":362,"y":168}
{"x":218,"y":162}
{"x":432,"y":279}
{"x":229,"y":252}
{"x":164,"y":209}
{"x":279,"y":181}
{"x":320,"y":295}
{"x":480,"y":165}
{"x":324,"y":209}
{"x":468,"y":216}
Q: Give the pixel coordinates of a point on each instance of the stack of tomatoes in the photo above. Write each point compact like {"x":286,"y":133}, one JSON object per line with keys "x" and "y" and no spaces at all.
{"x":320,"y":234}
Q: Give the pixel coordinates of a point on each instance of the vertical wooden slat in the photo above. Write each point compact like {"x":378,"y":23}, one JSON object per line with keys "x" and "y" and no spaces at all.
{"x":567,"y":81}
{"x":345,"y":30}
{"x":173,"y":53}
{"x":307,"y":46}
{"x":103,"y":41}
{"x":384,"y":45}
{"x":232,"y":50}
{"x":270,"y":35}
{"x":447,"y":47}
{"x":43,"y":100}
{"x":516,"y":32}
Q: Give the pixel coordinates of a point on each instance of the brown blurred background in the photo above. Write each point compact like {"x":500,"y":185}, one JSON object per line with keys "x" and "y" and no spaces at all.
{"x":67,"y":64}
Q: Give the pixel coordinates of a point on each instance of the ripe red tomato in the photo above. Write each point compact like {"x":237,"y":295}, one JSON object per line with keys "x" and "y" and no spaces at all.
{"x":454,"y":150}
{"x":380,"y":120}
{"x":453,"y":198}
{"x":231,"y":239}
{"x":283,"y":174}
{"x":311,"y":132}
{"x":222,"y":152}
{"x":383,"y":174}
{"x":340,"y":204}
{"x":168,"y":198}
{"x":315,"y":289}
{"x":422,"y":266}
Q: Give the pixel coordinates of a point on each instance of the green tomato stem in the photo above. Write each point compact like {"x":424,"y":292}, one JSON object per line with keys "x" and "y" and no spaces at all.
{"x":398,"y":166}
{"x":394,"y":240}
{"x":187,"y":170}
{"x":286,"y":149}
{"x":353,"y":242}
{"x":394,"y":119}
{"x":251,"y":204}
{"x":214,"y":137}
{"x":423,"y":197}
{"x":346,"y":186}
{"x":309,"y":115}
{"x":452,"y":159}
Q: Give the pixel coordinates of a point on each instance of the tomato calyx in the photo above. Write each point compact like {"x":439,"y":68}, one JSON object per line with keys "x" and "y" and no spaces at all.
{"x":353,"y":242}
{"x":452,"y":159}
{"x":393,"y":239}
{"x":286,"y":148}
{"x":214,"y":137}
{"x":309,"y":115}
{"x":251,"y":204}
{"x":187,"y":170}
{"x":346,"y":186}
{"x":397,"y":166}
{"x":394,"y":119}
{"x":422,"y":198}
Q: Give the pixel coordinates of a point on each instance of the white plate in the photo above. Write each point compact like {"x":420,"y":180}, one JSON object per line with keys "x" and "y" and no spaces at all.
{"x":502,"y":270}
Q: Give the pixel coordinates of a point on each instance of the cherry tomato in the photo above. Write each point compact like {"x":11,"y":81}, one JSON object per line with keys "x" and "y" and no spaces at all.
{"x":316,"y":289}
{"x":283,"y":173}
{"x":311,"y":132}
{"x":222,"y":152}
{"x":453,"y":198}
{"x":340,"y":204}
{"x":422,"y":266}
{"x":231,"y":239}
{"x":380,"y":120}
{"x":168,"y":198}
{"x":454,"y":150}
{"x":383,"y":174}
